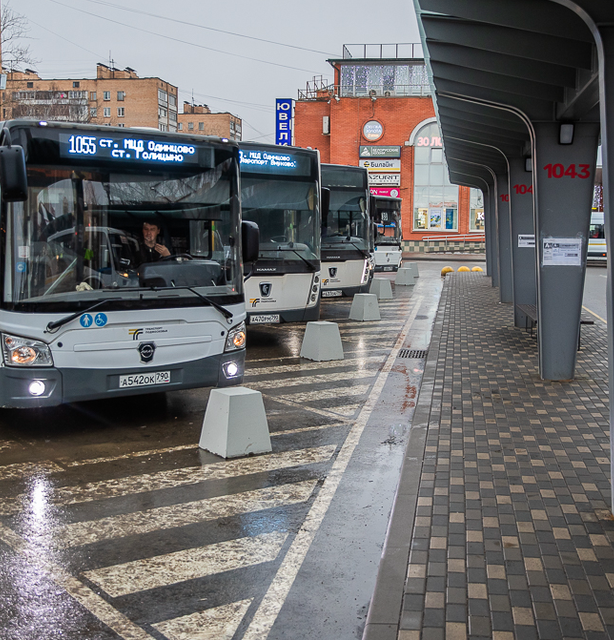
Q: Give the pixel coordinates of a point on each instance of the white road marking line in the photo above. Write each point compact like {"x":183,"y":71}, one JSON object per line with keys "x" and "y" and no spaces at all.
{"x":273,"y":600}
{"x":354,"y":363}
{"x":307,"y":429}
{"x":326,"y":394}
{"x":310,"y":380}
{"x":327,"y":413}
{"x":188,"y":564}
{"x":129,"y":456}
{"x":219,"y":623}
{"x":19,"y":469}
{"x":96,"y":605}
{"x":170,"y":479}
{"x":180,"y":515}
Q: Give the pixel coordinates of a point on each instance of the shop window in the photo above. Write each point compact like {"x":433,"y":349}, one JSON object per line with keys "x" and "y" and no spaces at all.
{"x":435,"y":197}
{"x":476,"y":209}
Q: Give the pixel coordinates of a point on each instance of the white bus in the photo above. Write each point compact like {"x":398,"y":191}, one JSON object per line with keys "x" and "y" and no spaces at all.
{"x":347,"y":235}
{"x":386,"y":213}
{"x":281,"y":193}
{"x":597,"y":248}
{"x":82,"y":315}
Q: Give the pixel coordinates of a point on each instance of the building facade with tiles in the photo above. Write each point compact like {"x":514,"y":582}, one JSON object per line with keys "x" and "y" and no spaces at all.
{"x":379,"y":113}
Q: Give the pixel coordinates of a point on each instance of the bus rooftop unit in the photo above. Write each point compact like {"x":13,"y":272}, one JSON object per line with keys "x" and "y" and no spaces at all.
{"x":347,"y":236}
{"x":82,"y":314}
{"x":280,"y":191}
{"x":386,"y":214}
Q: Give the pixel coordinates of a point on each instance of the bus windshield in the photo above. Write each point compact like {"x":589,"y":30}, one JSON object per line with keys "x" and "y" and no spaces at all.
{"x":285,"y":212}
{"x":81,"y":233}
{"x":348,"y":220}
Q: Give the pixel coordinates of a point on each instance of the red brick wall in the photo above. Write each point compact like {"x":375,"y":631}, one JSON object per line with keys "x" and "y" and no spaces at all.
{"x":399,"y":117}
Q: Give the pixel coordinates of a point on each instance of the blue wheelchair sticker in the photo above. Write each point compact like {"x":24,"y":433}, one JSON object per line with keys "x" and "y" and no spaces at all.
{"x":100,"y":320}
{"x":20,"y":267}
{"x":86,"y":320}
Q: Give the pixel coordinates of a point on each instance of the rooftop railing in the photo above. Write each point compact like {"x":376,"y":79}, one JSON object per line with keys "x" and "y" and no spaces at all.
{"x":389,"y":51}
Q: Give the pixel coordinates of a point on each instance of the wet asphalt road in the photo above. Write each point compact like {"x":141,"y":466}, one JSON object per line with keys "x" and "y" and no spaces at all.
{"x":114,"y":525}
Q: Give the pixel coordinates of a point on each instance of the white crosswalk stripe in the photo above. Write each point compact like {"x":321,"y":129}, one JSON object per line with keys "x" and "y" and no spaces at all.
{"x":148,"y":482}
{"x":218,"y":623}
{"x":171,"y":568}
{"x":180,"y":515}
{"x":330,"y":379}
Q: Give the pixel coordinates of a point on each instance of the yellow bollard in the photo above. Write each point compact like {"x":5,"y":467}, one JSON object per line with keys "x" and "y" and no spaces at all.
{"x":446,"y":270}
{"x":477,"y":269}
{"x":464,"y":269}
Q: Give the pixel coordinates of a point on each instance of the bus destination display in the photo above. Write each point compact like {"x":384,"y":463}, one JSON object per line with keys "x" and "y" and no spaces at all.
{"x":265,"y":161}
{"x":131,"y":149}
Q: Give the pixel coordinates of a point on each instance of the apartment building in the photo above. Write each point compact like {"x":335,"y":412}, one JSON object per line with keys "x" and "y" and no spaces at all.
{"x":116,"y":97}
{"x":198,"y":119}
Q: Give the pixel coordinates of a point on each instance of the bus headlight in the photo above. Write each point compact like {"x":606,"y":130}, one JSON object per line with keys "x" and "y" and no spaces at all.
{"x":23,"y":352}
{"x":236,"y":338}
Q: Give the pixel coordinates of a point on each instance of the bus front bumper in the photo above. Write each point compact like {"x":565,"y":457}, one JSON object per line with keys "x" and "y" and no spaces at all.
{"x":50,"y":387}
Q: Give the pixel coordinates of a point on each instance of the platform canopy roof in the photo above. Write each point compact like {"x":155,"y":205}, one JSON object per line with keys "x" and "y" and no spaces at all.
{"x":497,"y":66}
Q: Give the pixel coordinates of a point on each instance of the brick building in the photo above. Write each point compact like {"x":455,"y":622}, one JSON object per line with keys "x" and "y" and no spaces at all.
{"x":198,"y":119}
{"x":379,"y":113}
{"x":115,"y":97}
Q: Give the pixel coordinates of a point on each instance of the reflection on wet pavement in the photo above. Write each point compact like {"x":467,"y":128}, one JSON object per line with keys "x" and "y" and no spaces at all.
{"x":113,"y":524}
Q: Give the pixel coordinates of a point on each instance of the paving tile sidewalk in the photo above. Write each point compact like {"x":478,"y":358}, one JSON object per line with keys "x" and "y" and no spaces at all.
{"x":502,"y":526}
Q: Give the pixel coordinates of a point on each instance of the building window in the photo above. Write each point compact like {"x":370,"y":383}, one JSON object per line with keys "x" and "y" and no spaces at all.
{"x":201,"y":126}
{"x":121,"y":124}
{"x":162,"y":96}
{"x":106,"y":112}
{"x":93,"y":112}
{"x":29,"y":85}
{"x":120,"y":112}
{"x":476,"y":220}
{"x":93,"y":96}
{"x":190,"y":126}
{"x":163,"y":127}
{"x":172,"y":115}
{"x":75,"y":85}
{"x":121,"y":95}
{"x":435,"y":197}
{"x":180,"y":126}
{"x":172,"y":101}
{"x":106,"y":95}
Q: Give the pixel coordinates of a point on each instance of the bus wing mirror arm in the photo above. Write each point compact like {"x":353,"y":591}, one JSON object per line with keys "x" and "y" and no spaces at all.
{"x":325,"y":203}
{"x":250,"y":241}
{"x":13,"y":176}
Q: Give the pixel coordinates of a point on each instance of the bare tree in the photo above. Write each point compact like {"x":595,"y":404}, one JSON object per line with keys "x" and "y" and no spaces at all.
{"x":13,"y":30}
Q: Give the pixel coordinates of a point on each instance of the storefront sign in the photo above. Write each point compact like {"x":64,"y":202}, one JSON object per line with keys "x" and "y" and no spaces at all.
{"x":372,"y":130}
{"x":390,"y":192}
{"x":283,"y":121}
{"x":370,"y":151}
{"x":384,"y":179}
{"x":381,"y":166}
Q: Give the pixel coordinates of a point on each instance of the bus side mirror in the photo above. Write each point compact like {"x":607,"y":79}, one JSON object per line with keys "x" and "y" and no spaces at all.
{"x":250,"y":240}
{"x":13,"y":177}
{"x":325,"y":202}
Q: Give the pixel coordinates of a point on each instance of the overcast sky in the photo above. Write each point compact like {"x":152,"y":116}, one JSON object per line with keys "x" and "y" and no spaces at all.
{"x":212,"y":50}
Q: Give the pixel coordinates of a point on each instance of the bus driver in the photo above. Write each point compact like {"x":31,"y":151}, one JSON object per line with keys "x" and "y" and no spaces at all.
{"x":150,"y":250}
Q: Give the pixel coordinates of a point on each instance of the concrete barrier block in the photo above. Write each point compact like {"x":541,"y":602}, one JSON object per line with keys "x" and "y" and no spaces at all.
{"x":413,"y":266}
{"x":405,"y":277}
{"x":235,"y":423}
{"x":365,"y":307}
{"x":382,"y":288}
{"x":322,"y":341}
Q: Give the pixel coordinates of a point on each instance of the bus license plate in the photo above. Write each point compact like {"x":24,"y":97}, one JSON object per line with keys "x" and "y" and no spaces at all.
{"x":331,"y":293}
{"x":145,"y":379}
{"x":269,"y":318}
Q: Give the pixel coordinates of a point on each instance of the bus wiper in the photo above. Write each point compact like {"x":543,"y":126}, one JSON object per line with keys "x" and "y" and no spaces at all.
{"x":225,"y":312}
{"x":311,"y":267}
{"x":51,"y":326}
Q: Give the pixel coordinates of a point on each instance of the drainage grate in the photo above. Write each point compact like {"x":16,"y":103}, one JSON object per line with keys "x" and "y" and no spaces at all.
{"x":412,"y":353}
